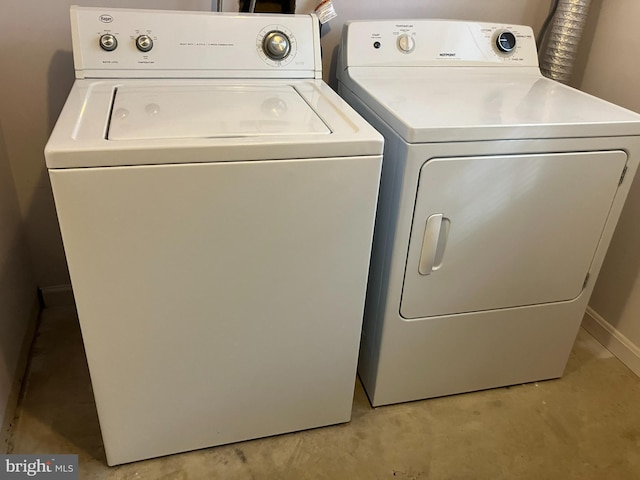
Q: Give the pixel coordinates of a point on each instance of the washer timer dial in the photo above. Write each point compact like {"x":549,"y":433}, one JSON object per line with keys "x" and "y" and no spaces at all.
{"x":276,"y":45}
{"x":506,"y":42}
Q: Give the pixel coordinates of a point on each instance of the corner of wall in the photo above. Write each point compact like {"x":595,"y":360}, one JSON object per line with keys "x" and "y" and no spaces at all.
{"x":8,"y":417}
{"x":57,"y":296}
{"x":617,"y":343}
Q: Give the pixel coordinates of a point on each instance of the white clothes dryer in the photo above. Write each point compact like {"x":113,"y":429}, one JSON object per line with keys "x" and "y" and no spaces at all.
{"x":216,"y":200}
{"x":500,"y":192}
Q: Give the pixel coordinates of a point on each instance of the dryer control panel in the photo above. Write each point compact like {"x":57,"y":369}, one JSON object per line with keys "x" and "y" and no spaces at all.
{"x":128,"y":43}
{"x":437,"y":43}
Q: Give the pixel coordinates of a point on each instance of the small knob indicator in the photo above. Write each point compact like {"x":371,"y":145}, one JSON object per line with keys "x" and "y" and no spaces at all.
{"x":506,"y":42}
{"x":276,"y":45}
{"x":406,"y":43}
{"x":144,"y":43}
{"x":108,"y":42}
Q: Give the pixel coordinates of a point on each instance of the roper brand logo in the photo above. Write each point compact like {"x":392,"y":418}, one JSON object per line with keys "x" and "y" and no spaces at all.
{"x":105,"y":18}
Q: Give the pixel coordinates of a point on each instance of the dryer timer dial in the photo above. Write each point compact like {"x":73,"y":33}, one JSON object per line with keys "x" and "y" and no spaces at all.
{"x":506,"y":42}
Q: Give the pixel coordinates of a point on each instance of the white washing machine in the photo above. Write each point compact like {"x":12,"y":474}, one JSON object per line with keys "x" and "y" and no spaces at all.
{"x":500,"y":192}
{"x":216,"y":201}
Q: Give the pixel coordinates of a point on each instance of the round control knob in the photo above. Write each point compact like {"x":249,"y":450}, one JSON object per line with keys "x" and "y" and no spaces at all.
{"x":144,"y":43}
{"x":276,"y":45}
{"x":108,"y":42}
{"x":506,"y":42}
{"x":406,"y":43}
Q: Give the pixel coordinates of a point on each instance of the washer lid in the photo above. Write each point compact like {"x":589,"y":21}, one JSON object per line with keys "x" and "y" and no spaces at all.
{"x":208,"y":111}
{"x":299,"y":119}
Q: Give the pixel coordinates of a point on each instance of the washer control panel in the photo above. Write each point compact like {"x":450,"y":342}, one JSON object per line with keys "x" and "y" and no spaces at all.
{"x":438,"y":43}
{"x":110,"y":43}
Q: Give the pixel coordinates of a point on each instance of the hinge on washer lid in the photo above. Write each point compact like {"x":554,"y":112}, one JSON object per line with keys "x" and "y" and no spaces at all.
{"x":624,"y":172}
{"x":586,"y":280}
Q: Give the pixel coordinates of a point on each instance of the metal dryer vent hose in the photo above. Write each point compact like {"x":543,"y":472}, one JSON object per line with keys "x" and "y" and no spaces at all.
{"x":564,"y":36}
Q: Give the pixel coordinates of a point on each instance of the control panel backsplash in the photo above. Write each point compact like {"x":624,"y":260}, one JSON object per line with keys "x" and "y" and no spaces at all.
{"x":109,"y":42}
{"x":437,"y":43}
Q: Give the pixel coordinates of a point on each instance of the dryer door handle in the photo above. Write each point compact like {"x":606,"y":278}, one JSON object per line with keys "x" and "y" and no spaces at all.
{"x":436,"y":232}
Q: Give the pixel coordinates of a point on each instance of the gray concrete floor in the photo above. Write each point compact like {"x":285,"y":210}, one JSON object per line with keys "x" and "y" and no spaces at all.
{"x":583,"y":426}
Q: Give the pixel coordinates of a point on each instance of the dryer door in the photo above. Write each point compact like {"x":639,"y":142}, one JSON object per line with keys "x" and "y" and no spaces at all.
{"x":506,"y":231}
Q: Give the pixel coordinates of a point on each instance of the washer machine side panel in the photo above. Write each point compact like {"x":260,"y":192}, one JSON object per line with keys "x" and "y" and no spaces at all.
{"x":381,"y":255}
{"x":218,"y":302}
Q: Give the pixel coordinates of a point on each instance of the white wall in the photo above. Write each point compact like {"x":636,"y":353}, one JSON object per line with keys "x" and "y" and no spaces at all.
{"x":17,"y":287}
{"x":613,"y":73}
{"x":38,"y":72}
